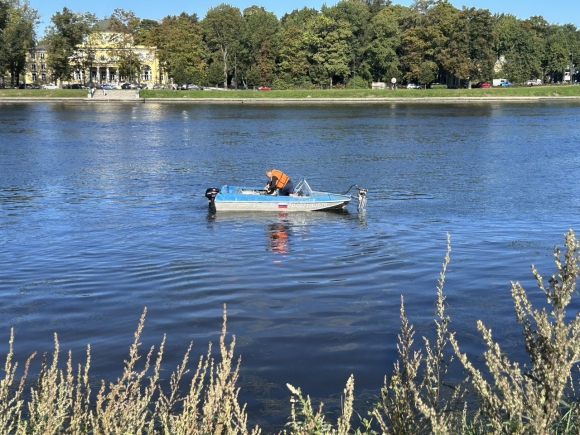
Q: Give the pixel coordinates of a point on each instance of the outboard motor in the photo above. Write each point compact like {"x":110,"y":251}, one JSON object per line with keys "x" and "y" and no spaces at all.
{"x":210,"y":194}
{"x":362,"y":198}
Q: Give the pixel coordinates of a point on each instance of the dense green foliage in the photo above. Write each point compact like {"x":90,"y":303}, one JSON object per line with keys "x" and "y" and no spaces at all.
{"x":69,"y":29}
{"x":17,"y":36}
{"x":349,"y":44}
{"x":356,"y":42}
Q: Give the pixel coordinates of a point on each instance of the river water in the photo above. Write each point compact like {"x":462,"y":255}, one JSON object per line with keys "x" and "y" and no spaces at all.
{"x":102,"y":213}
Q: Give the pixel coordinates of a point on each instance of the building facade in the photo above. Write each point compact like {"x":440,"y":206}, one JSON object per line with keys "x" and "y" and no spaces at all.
{"x":99,"y":60}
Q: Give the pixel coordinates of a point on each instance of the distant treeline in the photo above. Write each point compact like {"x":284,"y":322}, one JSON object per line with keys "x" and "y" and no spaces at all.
{"x":364,"y":41}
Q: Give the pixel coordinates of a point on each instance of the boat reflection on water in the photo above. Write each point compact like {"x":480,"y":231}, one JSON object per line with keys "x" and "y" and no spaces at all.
{"x":279,"y":237}
{"x":292,"y":219}
{"x":280,"y":228}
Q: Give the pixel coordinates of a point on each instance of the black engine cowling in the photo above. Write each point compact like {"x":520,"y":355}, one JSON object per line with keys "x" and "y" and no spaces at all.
{"x":210,"y":194}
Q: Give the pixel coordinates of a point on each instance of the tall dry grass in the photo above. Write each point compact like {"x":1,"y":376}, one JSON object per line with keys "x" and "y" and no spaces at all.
{"x":60,"y":401}
{"x":509,"y":397}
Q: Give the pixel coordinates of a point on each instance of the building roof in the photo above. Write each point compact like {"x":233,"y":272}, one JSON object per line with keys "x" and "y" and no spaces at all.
{"x":104,"y":25}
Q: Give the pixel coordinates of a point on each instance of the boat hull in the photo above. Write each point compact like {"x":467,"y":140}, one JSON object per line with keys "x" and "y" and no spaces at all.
{"x":248,"y":199}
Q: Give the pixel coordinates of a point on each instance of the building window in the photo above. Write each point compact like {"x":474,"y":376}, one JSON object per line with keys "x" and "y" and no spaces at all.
{"x":42,"y":56}
{"x":146,"y":73}
{"x":42,"y":66}
{"x":33,"y":77}
{"x":102,"y":57}
{"x":33,"y":66}
{"x":43,"y":77}
{"x":32,"y":56}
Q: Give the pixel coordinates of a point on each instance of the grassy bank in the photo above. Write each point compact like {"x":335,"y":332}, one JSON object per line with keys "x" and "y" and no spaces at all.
{"x":43,"y":93}
{"x":502,"y":397}
{"x":508,"y":92}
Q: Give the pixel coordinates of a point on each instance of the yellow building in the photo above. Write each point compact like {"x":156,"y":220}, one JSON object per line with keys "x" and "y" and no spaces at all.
{"x":97,"y":60}
{"x":37,"y":71}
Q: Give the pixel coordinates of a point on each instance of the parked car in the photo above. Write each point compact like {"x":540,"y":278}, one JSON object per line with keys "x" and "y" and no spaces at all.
{"x":413,"y":86}
{"x":481,"y":85}
{"x":193,"y":87}
{"x":264,"y":88}
{"x":506,"y":83}
{"x":534,"y":82}
{"x":28,"y":86}
{"x":108,"y":87}
{"x":49,"y":86}
{"x":128,"y":86}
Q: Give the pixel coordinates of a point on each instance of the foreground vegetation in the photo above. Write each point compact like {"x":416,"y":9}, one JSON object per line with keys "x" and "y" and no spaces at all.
{"x":510,"y":92}
{"x":536,"y":397}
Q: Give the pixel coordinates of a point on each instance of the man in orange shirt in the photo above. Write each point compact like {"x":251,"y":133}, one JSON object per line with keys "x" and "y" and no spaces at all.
{"x":279,"y":181}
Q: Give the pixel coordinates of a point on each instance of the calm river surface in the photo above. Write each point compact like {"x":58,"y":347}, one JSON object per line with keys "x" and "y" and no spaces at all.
{"x":102,"y":213}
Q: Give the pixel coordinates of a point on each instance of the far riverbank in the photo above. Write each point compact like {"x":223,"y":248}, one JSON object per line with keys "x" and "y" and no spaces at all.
{"x":537,"y":93}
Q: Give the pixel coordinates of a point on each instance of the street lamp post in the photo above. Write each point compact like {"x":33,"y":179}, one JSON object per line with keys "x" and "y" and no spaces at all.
{"x":571,"y":67}
{"x":572,"y":70}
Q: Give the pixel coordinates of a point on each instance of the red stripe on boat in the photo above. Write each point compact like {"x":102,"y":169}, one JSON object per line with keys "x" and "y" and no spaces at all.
{"x":282,"y":205}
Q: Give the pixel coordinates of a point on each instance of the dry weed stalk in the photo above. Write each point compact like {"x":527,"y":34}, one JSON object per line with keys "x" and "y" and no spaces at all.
{"x":527,"y":400}
{"x":207,"y":409}
{"x":124,"y":408}
{"x":79,"y":422}
{"x":11,"y":400}
{"x":60,"y":403}
{"x":412,"y":399}
{"x":51,"y":400}
{"x":305,"y":421}
{"x":398,"y":413}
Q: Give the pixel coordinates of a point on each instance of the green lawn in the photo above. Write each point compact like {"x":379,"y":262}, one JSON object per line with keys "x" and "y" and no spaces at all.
{"x":43,"y":93}
{"x":536,"y":91}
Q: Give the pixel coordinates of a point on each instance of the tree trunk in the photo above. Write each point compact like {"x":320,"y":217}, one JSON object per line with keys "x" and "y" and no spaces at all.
{"x":225,"y":55}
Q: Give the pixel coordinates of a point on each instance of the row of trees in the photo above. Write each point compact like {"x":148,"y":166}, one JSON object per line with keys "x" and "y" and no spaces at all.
{"x":351,"y":43}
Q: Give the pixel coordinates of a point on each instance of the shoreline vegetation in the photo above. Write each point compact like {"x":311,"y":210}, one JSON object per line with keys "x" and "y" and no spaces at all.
{"x":360,"y":95}
{"x":501,"y":397}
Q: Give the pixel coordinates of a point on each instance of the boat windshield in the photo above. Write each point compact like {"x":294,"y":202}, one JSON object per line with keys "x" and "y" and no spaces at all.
{"x":303,"y":188}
